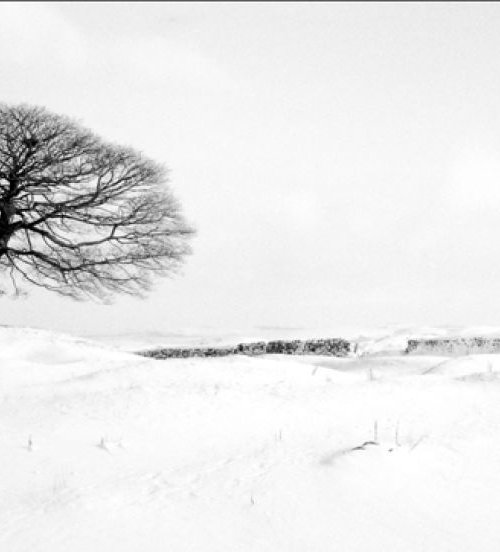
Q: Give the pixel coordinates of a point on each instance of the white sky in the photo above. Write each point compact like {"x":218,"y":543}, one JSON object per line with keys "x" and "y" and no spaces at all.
{"x":341,"y":162}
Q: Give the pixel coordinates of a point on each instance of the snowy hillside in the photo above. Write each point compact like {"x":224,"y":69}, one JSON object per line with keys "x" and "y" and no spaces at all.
{"x":385,"y":340}
{"x":102,"y":450}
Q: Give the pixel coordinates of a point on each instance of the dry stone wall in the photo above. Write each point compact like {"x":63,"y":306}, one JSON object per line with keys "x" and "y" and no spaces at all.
{"x":329,"y":347}
{"x":454,"y":346}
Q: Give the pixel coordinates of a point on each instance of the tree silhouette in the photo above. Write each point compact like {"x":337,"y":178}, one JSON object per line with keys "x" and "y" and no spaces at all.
{"x":79,"y":216}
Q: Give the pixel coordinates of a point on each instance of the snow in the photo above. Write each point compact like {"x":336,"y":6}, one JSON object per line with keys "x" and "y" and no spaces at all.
{"x":105,"y":450}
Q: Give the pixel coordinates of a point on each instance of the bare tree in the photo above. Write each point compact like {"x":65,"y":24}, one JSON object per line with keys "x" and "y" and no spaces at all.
{"x":79,"y":216}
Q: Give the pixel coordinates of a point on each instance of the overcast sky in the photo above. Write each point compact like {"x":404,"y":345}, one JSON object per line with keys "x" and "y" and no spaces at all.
{"x":341,"y":162}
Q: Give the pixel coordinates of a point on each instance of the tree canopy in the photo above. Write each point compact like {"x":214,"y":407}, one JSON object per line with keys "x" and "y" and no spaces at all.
{"x":79,"y":216}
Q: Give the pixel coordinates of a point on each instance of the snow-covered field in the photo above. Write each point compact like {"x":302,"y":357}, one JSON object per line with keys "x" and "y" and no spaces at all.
{"x":103,"y":450}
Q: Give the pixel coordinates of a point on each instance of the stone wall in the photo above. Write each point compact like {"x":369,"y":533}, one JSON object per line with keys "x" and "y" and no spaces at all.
{"x":329,"y":347}
{"x":175,"y":352}
{"x":251,"y":349}
{"x":453,"y":346}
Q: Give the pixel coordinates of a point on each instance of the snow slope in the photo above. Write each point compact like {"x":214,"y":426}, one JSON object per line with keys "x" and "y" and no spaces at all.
{"x":385,"y":340}
{"x":103,"y":450}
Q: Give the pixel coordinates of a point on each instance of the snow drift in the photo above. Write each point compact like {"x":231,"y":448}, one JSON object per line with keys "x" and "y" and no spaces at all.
{"x":103,"y":450}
